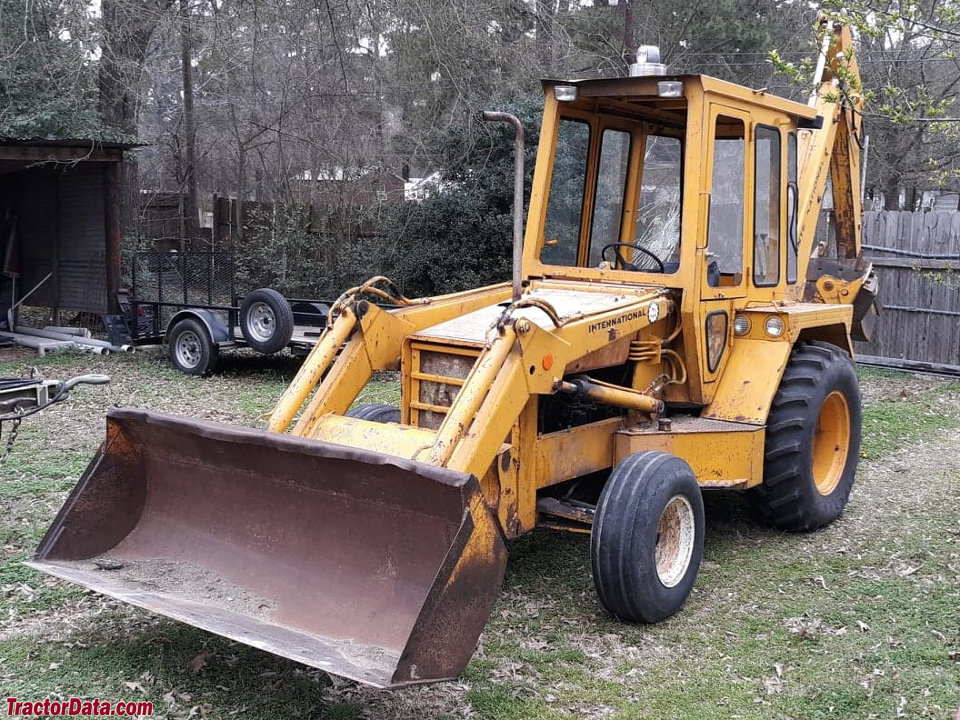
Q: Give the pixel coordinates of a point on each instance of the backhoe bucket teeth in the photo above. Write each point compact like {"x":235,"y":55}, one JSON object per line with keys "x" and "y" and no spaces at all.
{"x":361,"y":564}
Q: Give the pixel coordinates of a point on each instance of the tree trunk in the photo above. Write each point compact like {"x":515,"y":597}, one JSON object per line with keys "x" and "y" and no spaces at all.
{"x":192,"y":205}
{"x":546,"y":10}
{"x":628,"y":39}
{"x":127,"y":28}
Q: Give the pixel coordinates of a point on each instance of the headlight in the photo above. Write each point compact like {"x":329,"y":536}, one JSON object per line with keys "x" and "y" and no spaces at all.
{"x":670,"y":89}
{"x":774,"y":326}
{"x":741,"y":325}
{"x":565,"y":93}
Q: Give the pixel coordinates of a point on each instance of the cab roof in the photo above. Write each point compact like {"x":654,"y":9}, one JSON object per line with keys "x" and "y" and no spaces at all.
{"x":632,"y":89}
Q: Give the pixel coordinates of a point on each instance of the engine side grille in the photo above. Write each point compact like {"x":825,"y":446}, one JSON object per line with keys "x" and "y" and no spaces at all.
{"x":437,"y":374}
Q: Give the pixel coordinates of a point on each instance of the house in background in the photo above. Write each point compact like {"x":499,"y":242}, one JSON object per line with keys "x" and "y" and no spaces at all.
{"x":60,"y":225}
{"x":365,"y":189}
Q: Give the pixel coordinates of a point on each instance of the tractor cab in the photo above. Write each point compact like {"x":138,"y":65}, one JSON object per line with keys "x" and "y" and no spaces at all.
{"x":682,"y":181}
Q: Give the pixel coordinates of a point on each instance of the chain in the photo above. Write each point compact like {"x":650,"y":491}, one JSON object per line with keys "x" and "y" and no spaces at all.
{"x":11,"y":439}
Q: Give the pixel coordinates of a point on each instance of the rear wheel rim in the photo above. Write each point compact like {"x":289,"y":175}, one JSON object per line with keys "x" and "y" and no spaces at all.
{"x":676,"y":531}
{"x":831,"y":442}
{"x":188,"y":349}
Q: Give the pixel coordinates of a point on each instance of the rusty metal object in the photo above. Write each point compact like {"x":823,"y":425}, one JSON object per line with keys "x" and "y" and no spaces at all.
{"x":570,"y":510}
{"x":375,"y":568}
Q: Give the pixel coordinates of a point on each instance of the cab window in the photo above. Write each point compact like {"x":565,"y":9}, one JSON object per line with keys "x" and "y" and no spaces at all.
{"x":725,"y":233}
{"x":632,"y":221}
{"x":658,"y":211}
{"x":766,"y":207}
{"x":792,"y":208}
{"x":611,"y":185}
{"x":561,"y":231}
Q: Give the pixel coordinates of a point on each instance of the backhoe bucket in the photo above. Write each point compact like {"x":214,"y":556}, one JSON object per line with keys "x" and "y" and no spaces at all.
{"x":361,"y":564}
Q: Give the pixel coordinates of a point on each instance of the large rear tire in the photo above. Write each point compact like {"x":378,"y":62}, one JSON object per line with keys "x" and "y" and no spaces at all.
{"x":813,"y":440}
{"x":266,"y":320}
{"x":376,"y":412}
{"x":647,"y":537}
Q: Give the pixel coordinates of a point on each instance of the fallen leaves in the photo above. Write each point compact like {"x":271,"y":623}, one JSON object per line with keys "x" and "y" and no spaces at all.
{"x":811,"y":628}
{"x":773,"y":685}
{"x":199,"y":661}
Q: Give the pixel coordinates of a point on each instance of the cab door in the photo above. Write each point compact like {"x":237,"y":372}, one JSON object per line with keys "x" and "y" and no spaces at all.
{"x":722,"y":248}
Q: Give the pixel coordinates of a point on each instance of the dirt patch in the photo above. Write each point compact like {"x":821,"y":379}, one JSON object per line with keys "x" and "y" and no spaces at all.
{"x":901,"y":387}
{"x":181,"y":579}
{"x":15,"y":353}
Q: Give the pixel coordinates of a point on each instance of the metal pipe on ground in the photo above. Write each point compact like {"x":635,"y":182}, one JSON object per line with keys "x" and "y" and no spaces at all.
{"x":90,"y":342}
{"x":95,"y":349}
{"x":79,"y":332}
{"x":41,"y":345}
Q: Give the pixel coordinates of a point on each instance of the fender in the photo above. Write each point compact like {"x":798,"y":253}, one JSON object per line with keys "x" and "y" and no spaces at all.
{"x":745,"y":395}
{"x":214,"y":324}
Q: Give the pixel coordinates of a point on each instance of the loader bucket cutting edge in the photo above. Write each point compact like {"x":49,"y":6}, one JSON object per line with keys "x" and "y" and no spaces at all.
{"x":364,"y":565}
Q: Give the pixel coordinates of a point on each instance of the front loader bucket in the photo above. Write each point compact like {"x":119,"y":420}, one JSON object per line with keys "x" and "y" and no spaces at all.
{"x":375,"y":568}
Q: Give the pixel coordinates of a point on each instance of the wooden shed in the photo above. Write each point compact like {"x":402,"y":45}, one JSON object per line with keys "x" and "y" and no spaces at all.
{"x":60,"y":224}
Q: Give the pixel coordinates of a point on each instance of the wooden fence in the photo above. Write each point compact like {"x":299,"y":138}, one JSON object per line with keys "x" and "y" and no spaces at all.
{"x":917,"y":259}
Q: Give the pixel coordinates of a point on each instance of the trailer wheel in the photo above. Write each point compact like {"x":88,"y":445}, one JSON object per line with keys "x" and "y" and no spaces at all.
{"x":376,"y":412}
{"x":192,"y":350}
{"x":266,"y":320}
{"x":647,"y":538}
{"x":813,"y":440}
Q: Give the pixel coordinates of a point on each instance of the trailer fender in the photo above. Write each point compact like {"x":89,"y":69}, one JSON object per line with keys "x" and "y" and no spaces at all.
{"x":214,"y":324}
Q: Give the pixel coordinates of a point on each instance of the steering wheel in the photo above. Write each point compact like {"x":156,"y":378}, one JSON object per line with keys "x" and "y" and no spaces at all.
{"x":622,"y":262}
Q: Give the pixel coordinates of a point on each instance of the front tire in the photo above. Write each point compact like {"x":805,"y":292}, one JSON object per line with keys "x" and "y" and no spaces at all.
{"x":813,"y":440}
{"x":376,"y":412}
{"x":647,"y":537}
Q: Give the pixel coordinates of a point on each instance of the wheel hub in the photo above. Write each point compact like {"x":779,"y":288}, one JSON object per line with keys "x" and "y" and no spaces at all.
{"x":188,"y":349}
{"x":676,"y":531}
{"x":831,"y":442}
{"x":262,"y":323}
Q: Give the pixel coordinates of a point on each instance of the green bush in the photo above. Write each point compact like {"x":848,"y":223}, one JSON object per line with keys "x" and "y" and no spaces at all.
{"x":459,"y":237}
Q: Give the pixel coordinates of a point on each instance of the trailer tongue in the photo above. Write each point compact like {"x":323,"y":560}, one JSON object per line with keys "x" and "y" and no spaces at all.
{"x":364,"y":565}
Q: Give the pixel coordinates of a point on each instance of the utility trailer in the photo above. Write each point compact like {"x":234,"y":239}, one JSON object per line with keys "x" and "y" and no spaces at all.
{"x":189,"y":300}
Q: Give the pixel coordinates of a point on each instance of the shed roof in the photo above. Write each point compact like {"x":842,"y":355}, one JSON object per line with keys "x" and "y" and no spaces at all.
{"x":38,"y":150}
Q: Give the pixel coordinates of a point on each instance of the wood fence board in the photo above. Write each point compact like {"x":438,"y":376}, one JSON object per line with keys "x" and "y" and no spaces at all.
{"x":920,"y":295}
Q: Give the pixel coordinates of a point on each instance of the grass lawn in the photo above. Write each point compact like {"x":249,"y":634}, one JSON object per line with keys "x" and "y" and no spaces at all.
{"x":859,"y":620}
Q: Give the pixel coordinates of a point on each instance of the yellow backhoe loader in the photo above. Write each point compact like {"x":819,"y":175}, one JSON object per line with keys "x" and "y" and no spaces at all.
{"x":670,"y":327}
